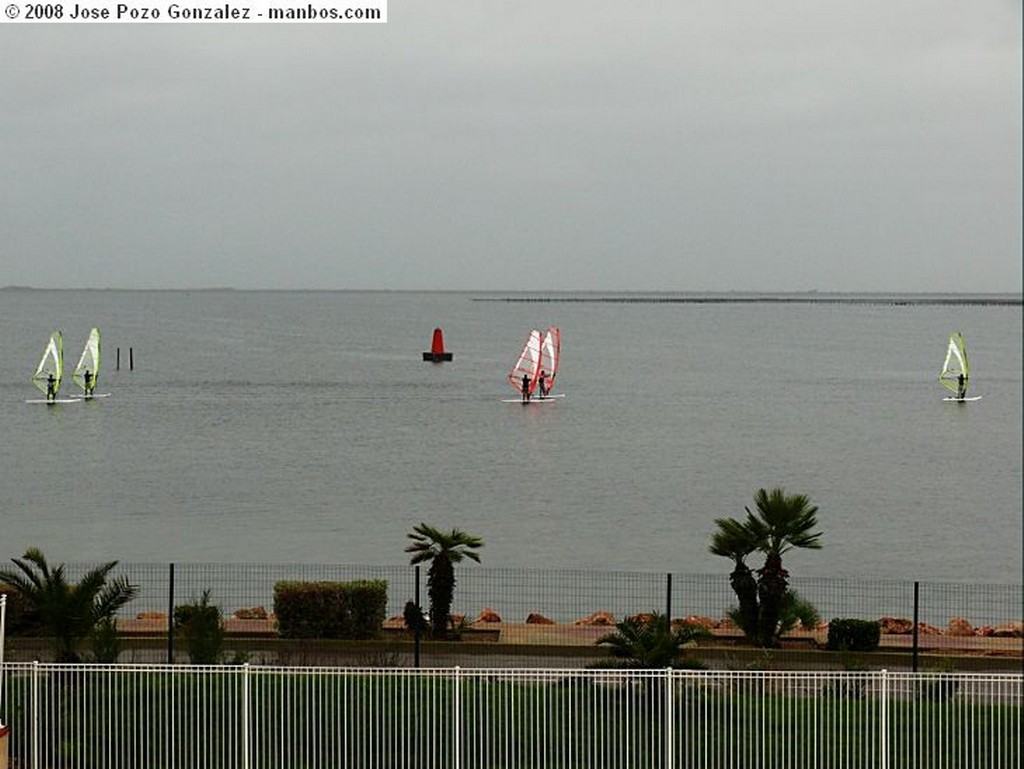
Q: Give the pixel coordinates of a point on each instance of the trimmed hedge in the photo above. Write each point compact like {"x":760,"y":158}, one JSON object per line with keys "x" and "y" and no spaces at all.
{"x":349,"y":610}
{"x":853,"y":635}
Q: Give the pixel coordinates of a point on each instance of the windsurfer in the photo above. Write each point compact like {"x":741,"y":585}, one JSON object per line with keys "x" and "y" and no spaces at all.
{"x":961,"y":389}
{"x":51,"y":388}
{"x":542,"y":384}
{"x":87,"y":376}
{"x":526,"y":388}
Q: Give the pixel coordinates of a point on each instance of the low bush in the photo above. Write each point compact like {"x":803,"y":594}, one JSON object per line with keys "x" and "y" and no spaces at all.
{"x":853,"y":635}
{"x":200,"y":624}
{"x":106,"y":642}
{"x":414,"y":619}
{"x":349,"y":610}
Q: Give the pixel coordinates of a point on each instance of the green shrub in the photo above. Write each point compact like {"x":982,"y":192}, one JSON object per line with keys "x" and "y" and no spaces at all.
{"x":106,"y":642}
{"x":853,"y":635}
{"x":794,"y":610}
{"x":797,"y":610}
{"x":350,"y":610}
{"x":651,"y":641}
{"x":200,"y":624}
{"x":414,"y":619}
{"x":368,"y":600}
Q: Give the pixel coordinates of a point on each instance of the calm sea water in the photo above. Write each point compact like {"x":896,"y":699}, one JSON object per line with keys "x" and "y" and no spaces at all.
{"x":303,"y":427}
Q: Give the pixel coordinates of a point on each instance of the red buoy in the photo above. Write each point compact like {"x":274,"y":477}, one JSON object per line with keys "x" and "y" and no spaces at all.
{"x":437,"y":353}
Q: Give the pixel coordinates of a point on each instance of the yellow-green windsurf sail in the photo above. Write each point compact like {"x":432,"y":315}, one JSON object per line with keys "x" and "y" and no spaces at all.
{"x":955,"y":366}
{"x":89,"y":363}
{"x":51,"y":365}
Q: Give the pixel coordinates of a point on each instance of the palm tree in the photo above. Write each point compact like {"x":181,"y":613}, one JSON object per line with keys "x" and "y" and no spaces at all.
{"x":650,"y":642}
{"x":67,"y":612}
{"x":782,"y":522}
{"x":443,"y":550}
{"x":734,"y":540}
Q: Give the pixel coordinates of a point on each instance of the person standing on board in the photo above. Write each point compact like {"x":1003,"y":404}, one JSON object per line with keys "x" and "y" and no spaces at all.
{"x":51,"y":388}
{"x":542,"y":385}
{"x":87,"y":377}
{"x":526,"y":388}
{"x":961,"y":389}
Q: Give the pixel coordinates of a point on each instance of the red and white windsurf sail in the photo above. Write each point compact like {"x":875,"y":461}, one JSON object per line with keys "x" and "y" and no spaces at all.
{"x":528,"y":364}
{"x":550,"y":349}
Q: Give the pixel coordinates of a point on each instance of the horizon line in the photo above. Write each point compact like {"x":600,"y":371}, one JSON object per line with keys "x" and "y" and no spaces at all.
{"x":525,"y":293}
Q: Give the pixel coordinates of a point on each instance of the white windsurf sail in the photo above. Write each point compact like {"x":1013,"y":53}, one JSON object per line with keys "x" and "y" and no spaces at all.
{"x":955,"y":373}
{"x":550,"y":350}
{"x":51,"y":367}
{"x":527,"y":365}
{"x":89,"y":363}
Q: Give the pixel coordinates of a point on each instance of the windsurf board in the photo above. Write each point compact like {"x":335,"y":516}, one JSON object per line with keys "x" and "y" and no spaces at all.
{"x":536,"y":399}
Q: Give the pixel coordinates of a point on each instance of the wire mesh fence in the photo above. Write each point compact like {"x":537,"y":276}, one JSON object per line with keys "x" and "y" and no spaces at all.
{"x":553,"y":618}
{"x":571,"y":595}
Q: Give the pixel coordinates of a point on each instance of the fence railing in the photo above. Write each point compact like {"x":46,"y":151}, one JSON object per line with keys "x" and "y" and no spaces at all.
{"x":78,"y":716}
{"x":947,"y":618}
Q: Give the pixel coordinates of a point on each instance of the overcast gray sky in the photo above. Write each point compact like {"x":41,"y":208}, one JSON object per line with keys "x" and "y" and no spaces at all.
{"x":474,"y":144}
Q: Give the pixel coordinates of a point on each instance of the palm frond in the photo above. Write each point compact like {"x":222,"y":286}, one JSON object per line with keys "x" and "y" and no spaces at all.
{"x":112,"y":597}
{"x":35,"y":555}
{"x":733,"y":539}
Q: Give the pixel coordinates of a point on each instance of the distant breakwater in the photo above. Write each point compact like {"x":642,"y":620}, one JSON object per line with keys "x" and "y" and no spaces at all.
{"x":995,"y":301}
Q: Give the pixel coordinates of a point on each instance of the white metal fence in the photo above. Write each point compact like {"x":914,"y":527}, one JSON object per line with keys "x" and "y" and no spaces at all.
{"x":164,"y":717}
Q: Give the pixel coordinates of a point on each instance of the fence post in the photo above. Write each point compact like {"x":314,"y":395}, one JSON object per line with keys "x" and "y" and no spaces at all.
{"x":883,"y":762}
{"x":170,"y":616}
{"x":457,"y":719}
{"x":668,"y":598}
{"x":245,"y":715}
{"x":417,"y":630}
{"x":35,"y":715}
{"x":917,"y":605}
{"x":3,"y":630}
{"x":669,"y":761}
